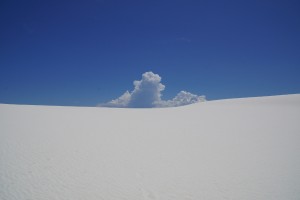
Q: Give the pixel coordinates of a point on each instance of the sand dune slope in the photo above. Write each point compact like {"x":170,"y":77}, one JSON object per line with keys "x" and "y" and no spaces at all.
{"x":229,"y":149}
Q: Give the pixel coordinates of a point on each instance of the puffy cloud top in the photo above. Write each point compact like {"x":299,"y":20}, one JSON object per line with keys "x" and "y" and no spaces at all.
{"x":146,"y":91}
{"x":147,"y":94}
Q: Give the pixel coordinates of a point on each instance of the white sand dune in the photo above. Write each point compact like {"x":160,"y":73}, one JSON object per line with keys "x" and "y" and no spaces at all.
{"x":228,"y":149}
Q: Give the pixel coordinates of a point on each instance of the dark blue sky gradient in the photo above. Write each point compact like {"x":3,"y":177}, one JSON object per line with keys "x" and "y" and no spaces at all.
{"x":85,"y":52}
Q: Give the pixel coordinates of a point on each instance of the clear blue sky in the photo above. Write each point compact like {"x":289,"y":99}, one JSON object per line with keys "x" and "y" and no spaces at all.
{"x":86,"y":52}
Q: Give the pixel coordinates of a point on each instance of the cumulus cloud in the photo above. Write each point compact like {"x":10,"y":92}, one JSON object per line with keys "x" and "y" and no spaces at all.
{"x":147,"y":93}
{"x":181,"y":99}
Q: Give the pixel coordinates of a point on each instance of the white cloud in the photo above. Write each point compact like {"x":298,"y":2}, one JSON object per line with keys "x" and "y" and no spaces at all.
{"x":120,"y":102}
{"x":181,"y":99}
{"x":147,"y":94}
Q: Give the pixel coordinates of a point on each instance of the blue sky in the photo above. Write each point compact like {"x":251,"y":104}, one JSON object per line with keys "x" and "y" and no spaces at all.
{"x":86,"y":52}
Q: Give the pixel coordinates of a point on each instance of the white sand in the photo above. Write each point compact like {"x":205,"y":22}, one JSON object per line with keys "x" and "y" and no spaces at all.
{"x":235,"y":149}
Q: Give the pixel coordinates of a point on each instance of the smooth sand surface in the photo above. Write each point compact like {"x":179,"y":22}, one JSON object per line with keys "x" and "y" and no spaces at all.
{"x":229,"y":149}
